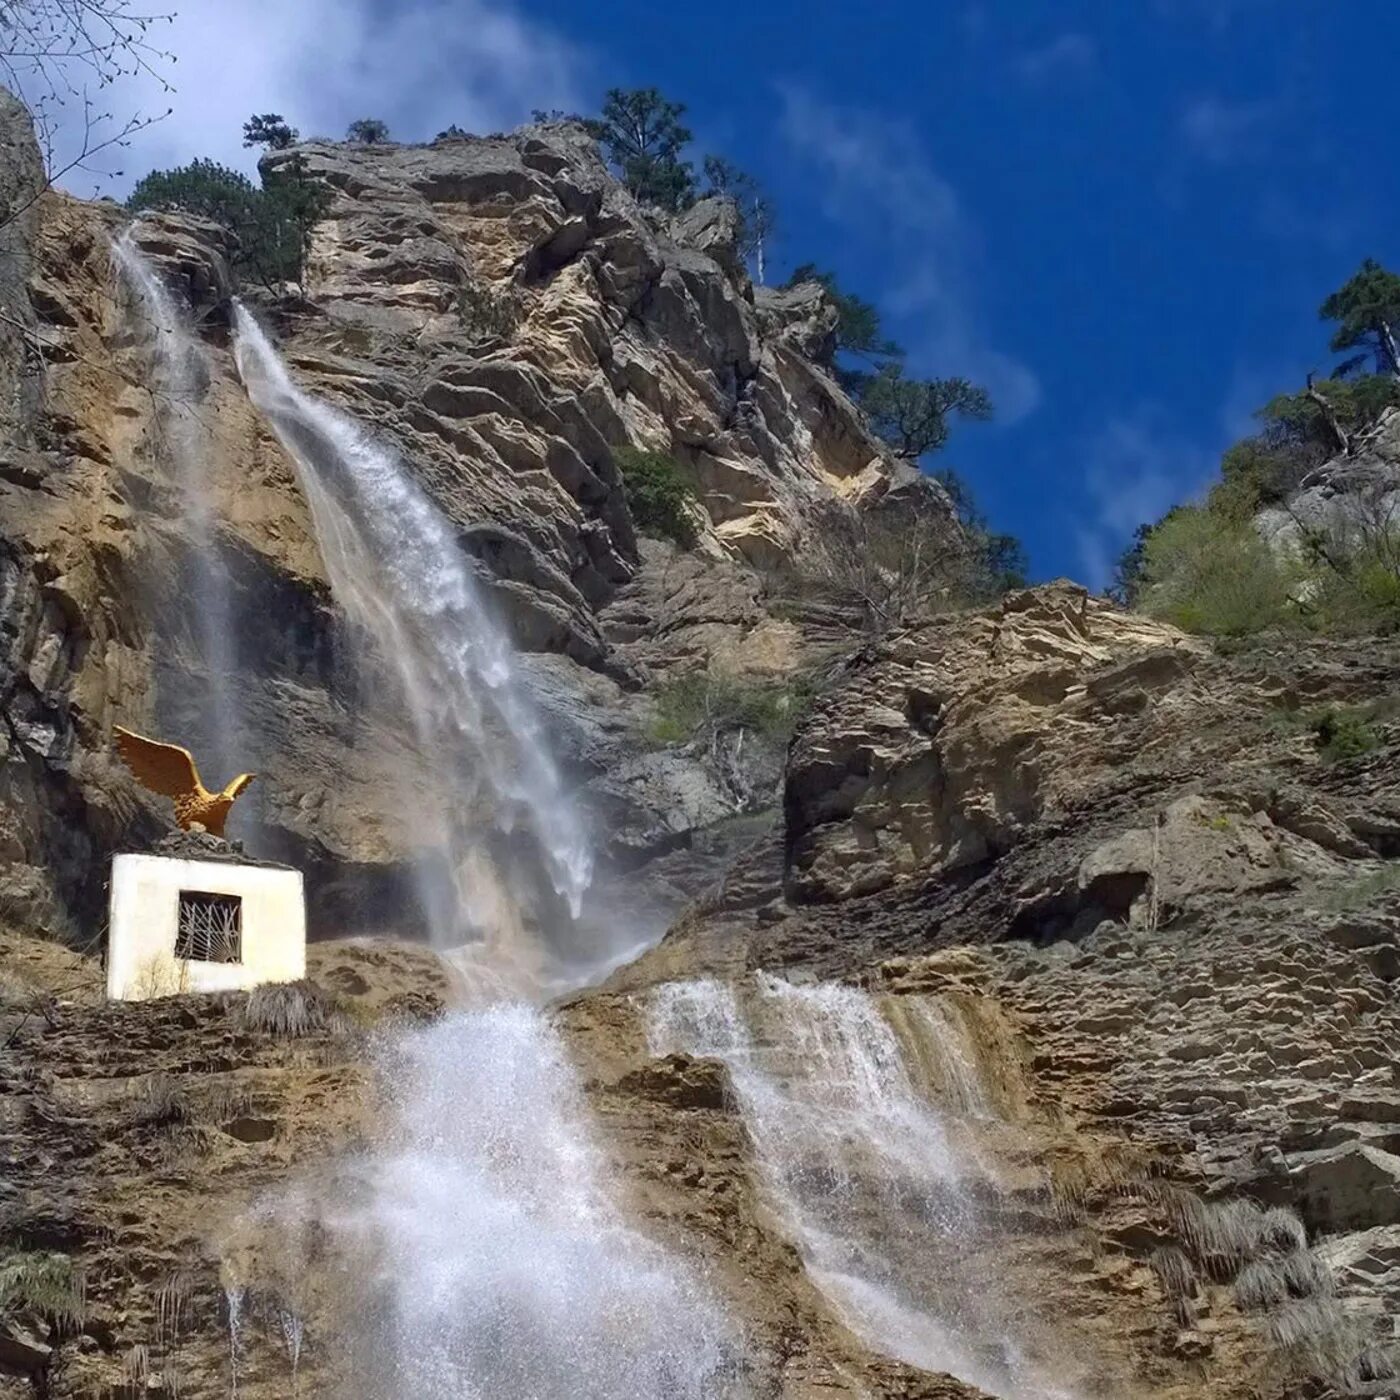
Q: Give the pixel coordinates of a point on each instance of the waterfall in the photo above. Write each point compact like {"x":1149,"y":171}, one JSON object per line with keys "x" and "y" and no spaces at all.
{"x":180,"y":380}
{"x":876,"y":1184}
{"x":398,"y":570}
{"x":509,"y":1269}
{"x":233,"y":1299}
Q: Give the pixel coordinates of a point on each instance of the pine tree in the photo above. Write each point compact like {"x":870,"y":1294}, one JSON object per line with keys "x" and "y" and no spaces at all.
{"x":1367,"y":310}
{"x":642,"y":136}
{"x":269,"y":130}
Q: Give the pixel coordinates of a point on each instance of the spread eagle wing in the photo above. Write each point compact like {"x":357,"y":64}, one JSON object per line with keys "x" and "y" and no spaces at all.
{"x":164,"y":768}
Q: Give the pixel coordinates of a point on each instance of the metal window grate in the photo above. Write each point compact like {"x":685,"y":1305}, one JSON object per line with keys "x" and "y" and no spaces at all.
{"x":210,"y":927}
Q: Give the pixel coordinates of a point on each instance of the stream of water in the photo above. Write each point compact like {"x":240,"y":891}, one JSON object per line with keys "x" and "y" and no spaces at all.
{"x":876,"y":1182}
{"x":511,"y":1270}
{"x":205,"y":714}
{"x":398,"y":569}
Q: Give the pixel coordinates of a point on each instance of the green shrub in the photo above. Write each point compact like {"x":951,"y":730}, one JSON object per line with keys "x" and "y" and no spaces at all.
{"x":1206,"y":572}
{"x":710,"y":700}
{"x":1361,"y":890}
{"x":46,"y":1284}
{"x":484,"y":315}
{"x":658,"y":495}
{"x":272,"y":224}
{"x":1343,"y":734}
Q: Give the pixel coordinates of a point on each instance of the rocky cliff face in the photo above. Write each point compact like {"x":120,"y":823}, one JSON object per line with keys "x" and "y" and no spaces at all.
{"x":502,"y":313}
{"x":1110,"y":906}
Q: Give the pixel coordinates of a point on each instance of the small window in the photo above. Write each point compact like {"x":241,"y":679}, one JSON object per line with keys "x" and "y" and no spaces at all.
{"x":210,"y":927}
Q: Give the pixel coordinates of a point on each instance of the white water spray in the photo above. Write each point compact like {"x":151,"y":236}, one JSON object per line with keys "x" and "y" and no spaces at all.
{"x":293,"y":1334}
{"x":399,"y":571}
{"x":510,"y":1270}
{"x":233,"y":1297}
{"x":869,"y":1175}
{"x":180,"y":374}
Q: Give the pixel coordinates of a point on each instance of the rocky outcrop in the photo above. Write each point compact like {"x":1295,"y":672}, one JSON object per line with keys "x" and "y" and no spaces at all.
{"x":506,"y":316}
{"x":1135,"y":847}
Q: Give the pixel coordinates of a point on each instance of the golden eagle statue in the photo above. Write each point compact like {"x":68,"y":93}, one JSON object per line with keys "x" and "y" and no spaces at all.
{"x":169,"y":770}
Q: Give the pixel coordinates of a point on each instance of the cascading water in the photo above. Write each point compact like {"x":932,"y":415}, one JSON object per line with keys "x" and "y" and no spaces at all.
{"x":208,"y":717}
{"x":874,"y":1181}
{"x":509,"y":1269}
{"x":500,"y":1264}
{"x":399,"y":572}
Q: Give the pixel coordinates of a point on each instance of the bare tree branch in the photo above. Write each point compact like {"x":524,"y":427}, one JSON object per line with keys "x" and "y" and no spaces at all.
{"x":54,"y":54}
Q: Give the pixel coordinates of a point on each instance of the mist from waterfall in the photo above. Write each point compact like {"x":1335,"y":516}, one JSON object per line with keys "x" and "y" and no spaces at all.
{"x":509,"y":1268}
{"x":180,"y":379}
{"x":398,"y":570}
{"x":876,"y":1183}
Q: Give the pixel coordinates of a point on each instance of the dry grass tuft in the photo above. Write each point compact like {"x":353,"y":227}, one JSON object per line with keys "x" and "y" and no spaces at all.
{"x":160,"y":1103}
{"x":288,"y":1010}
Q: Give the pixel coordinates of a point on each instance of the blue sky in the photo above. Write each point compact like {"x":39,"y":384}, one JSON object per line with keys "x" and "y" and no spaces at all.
{"x":1121,"y":216}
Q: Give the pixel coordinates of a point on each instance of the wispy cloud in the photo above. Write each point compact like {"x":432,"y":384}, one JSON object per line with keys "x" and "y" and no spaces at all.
{"x":1225,"y":132}
{"x":878,"y":183}
{"x":419,"y":66}
{"x":1134,"y":472}
{"x":1218,"y":14}
{"x":1065,"y":57}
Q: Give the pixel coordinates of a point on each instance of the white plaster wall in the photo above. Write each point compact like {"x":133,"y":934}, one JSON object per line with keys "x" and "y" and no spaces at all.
{"x":141,"y":959}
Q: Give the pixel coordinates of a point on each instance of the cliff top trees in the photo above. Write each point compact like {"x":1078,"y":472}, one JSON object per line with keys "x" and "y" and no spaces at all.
{"x":642,"y":135}
{"x":269,"y":130}
{"x":1208,"y":568}
{"x":1367,"y":311}
{"x":368,"y":131}
{"x":912,"y":414}
{"x":858,"y":330}
{"x":203,"y":187}
{"x":272,"y":224}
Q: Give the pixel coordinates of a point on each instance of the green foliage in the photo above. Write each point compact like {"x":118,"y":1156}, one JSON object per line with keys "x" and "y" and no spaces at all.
{"x":714,"y":701}
{"x":1366,"y":309}
{"x":858,"y":330}
{"x":1128,"y":573}
{"x":1205,"y":572}
{"x":273,"y":224}
{"x":269,"y":130}
{"x":292,"y":205}
{"x":1348,"y":579}
{"x":658,"y":495}
{"x":1343,"y":734}
{"x":912,"y":414}
{"x":1359,"y":891}
{"x":368,"y":131}
{"x":1300,"y":431}
{"x":643,"y":138}
{"x":203,"y":187}
{"x":1353,"y":404}
{"x":484,"y":315}
{"x":42,"y":1283}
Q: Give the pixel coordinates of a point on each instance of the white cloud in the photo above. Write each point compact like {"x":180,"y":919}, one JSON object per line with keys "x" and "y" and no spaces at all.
{"x":418,"y":66}
{"x":1134,"y":472}
{"x":1225,"y":132}
{"x":1068,"y":56}
{"x":876,"y":181}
